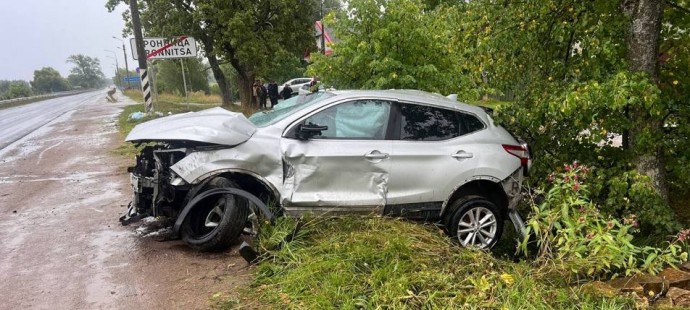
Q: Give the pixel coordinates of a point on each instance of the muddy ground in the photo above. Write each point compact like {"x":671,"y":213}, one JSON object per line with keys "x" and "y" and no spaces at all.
{"x":62,"y":190}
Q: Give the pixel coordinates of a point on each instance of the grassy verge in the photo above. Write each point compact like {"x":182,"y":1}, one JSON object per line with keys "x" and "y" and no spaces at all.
{"x":373,"y":263}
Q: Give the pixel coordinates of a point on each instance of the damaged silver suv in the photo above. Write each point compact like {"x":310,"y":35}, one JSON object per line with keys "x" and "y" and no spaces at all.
{"x":399,"y":153}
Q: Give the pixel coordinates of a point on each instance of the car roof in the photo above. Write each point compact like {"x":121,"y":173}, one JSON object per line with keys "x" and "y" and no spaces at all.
{"x":411,"y":95}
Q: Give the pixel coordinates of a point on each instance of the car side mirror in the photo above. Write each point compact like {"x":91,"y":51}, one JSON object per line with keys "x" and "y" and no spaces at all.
{"x":307,"y":131}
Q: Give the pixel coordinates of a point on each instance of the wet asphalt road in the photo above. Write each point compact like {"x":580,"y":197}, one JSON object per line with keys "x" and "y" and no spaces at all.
{"x":17,"y":122}
{"x":62,"y":189}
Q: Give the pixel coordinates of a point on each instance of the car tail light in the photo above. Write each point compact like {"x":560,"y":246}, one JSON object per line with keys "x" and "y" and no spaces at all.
{"x":519,"y":151}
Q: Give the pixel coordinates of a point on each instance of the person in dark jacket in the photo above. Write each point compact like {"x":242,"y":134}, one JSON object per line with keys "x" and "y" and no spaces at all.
{"x":286,"y":93}
{"x":263,"y":93}
{"x":273,"y":93}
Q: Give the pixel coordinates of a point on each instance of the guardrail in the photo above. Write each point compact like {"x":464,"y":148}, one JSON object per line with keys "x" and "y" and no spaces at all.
{"x":46,"y":96}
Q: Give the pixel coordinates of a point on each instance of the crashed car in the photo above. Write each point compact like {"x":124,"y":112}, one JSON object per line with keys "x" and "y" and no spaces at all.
{"x":398,"y":153}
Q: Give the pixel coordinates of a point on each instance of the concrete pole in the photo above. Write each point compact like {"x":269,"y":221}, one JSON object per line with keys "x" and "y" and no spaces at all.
{"x":139,"y":38}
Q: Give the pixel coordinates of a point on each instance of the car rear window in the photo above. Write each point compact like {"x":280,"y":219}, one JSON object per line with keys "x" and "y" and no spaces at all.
{"x":472,"y":123}
{"x":425,"y":123}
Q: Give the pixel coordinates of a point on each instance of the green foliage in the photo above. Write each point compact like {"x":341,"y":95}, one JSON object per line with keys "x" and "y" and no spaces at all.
{"x":14,"y":89}
{"x":583,"y":119}
{"x":86,"y":72}
{"x":169,"y":76}
{"x":572,"y":235}
{"x":373,"y":263}
{"x":284,"y":67}
{"x":395,"y":44}
{"x":49,"y":80}
{"x":565,"y":61}
{"x":252,"y":36}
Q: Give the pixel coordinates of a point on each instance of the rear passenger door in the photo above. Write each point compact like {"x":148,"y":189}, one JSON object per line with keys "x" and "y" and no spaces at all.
{"x":433,"y":151}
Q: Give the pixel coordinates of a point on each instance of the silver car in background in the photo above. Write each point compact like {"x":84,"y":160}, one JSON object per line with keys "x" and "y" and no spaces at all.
{"x":400,"y":153}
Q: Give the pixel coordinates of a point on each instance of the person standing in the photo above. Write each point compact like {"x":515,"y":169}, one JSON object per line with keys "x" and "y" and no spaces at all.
{"x":263,"y":93}
{"x":273,"y":93}
{"x":286,"y":93}
{"x":255,"y":94}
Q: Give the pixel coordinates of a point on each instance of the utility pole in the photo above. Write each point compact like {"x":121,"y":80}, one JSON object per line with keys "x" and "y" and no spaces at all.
{"x":124,"y":51}
{"x":139,"y":38}
{"x":323,"y":34}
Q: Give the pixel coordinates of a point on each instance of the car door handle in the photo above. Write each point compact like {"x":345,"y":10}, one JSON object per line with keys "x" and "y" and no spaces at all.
{"x":462,"y":155}
{"x":375,"y":155}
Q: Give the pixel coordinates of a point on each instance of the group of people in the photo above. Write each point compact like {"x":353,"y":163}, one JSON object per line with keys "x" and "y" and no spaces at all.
{"x":260,"y":93}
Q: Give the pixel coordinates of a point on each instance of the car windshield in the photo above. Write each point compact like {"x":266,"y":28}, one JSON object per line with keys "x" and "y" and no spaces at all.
{"x":286,"y":108}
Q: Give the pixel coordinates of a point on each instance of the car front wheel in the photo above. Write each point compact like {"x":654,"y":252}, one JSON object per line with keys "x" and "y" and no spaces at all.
{"x":475,"y":222}
{"x":215,"y":223}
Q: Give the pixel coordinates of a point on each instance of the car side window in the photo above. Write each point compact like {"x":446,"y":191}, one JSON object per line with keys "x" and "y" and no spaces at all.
{"x":472,"y":123}
{"x":360,"y":119}
{"x":425,"y":123}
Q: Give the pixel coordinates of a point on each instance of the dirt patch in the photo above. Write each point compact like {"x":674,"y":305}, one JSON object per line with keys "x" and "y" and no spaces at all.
{"x":61,"y":193}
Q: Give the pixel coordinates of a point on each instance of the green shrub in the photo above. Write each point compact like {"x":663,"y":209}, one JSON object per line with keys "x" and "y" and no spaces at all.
{"x":572,"y":234}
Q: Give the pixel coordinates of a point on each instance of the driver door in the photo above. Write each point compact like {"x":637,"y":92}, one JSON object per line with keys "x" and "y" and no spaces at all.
{"x":345,"y":167}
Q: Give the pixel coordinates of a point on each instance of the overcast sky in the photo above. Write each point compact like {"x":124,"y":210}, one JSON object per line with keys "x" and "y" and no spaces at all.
{"x":43,"y":33}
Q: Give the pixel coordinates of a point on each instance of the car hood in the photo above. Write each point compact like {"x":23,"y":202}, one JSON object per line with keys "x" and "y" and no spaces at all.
{"x":216,"y":125}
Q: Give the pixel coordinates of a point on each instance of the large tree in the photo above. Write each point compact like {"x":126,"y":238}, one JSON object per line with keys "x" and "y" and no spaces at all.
{"x":86,"y":71}
{"x":48,"y":80}
{"x":579,"y":71}
{"x":394,"y":44}
{"x":247,"y":34}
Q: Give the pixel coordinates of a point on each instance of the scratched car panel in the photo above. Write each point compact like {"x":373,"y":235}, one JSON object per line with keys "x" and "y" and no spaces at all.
{"x":399,"y":153}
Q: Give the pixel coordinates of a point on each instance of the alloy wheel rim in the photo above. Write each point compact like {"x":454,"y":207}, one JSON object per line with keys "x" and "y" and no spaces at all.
{"x":215,"y":216}
{"x":477,"y":228}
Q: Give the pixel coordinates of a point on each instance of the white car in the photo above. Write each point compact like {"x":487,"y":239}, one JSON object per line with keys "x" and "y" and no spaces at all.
{"x":295,"y":84}
{"x":399,"y":153}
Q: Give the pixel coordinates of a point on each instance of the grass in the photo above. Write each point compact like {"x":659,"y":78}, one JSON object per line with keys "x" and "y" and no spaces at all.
{"x":382,"y":263}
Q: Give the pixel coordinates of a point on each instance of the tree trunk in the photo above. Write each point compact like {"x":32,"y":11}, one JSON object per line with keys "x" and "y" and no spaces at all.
{"x":219,"y":75}
{"x":245,"y":78}
{"x":643,"y":48}
{"x":245,"y":83}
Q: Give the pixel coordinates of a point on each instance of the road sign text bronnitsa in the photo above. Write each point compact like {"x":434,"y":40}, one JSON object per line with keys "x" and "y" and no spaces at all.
{"x":173,"y":48}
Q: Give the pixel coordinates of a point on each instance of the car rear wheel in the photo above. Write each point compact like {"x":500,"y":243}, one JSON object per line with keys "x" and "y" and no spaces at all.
{"x":475,"y":222}
{"x":215,"y":223}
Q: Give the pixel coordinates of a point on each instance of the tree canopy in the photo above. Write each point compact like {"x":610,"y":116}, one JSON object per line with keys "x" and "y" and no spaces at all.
{"x":86,"y":71}
{"x":250,"y":35}
{"x":48,"y":80}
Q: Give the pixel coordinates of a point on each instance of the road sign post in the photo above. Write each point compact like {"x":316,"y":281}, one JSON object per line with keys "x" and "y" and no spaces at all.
{"x":139,"y":47}
{"x":166,"y":48}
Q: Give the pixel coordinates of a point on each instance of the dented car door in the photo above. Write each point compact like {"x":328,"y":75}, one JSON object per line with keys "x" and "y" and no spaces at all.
{"x":344,"y":167}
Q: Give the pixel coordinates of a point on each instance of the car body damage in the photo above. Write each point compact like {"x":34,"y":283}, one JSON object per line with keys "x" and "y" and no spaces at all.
{"x":215,"y":126}
{"x":397,"y":153}
{"x":318,"y":181}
